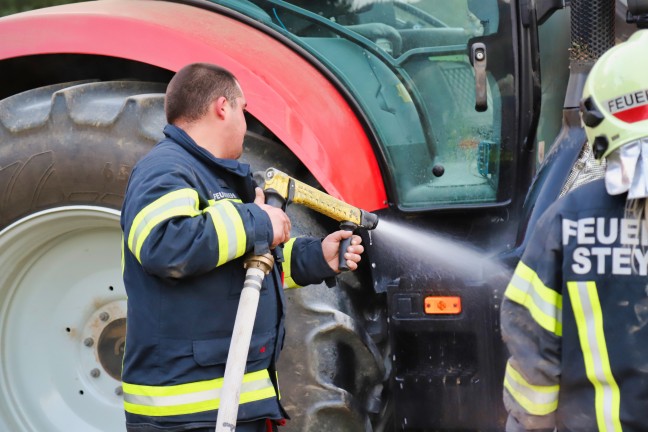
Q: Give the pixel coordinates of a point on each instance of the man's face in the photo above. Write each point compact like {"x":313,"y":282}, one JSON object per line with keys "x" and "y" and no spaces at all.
{"x":237,"y":126}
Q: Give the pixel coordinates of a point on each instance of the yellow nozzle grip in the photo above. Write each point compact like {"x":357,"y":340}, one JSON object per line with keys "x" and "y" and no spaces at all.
{"x":297,"y":192}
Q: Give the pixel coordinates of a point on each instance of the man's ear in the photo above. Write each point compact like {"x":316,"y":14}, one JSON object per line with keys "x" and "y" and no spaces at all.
{"x":219,"y":106}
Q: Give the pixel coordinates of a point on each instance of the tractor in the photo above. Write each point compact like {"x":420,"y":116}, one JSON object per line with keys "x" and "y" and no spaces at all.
{"x":456,"y":122}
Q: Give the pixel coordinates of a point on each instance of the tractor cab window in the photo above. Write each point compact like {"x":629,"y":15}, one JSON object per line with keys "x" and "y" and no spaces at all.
{"x":434,"y":80}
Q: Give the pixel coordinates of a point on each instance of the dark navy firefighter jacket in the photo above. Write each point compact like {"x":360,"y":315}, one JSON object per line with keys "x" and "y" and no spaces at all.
{"x":574,"y":318}
{"x":188,"y":220}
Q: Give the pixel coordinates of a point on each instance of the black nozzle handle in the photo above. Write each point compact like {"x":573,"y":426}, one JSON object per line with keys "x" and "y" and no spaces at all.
{"x":274,"y":198}
{"x":344,"y":244}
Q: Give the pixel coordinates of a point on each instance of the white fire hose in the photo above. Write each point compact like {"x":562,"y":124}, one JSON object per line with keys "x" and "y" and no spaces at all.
{"x":258,"y":266}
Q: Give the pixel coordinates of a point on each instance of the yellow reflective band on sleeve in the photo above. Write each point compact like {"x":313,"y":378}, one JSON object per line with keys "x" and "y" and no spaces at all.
{"x":123,"y":259}
{"x":190,"y":398}
{"x":230,"y":231}
{"x":535,"y":399}
{"x":543,"y":303}
{"x":589,"y":320}
{"x":183,"y":202}
{"x":287,"y":253}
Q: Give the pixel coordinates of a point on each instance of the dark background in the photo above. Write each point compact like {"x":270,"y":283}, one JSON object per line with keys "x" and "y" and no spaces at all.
{"x":12,"y":6}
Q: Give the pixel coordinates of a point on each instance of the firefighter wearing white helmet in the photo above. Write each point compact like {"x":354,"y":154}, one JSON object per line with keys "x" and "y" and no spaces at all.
{"x":575,"y":314}
{"x":615,"y":114}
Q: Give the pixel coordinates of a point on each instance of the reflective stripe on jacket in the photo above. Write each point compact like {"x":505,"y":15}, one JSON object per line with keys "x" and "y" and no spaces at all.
{"x":193,"y":397}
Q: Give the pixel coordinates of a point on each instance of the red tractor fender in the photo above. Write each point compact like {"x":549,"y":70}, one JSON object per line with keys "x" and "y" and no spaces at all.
{"x":285,"y":92}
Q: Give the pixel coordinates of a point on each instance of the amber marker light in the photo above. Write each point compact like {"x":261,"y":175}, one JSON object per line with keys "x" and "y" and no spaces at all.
{"x":441,"y":305}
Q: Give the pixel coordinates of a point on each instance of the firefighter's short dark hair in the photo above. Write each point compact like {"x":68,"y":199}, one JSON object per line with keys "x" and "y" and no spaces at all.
{"x":194,"y":87}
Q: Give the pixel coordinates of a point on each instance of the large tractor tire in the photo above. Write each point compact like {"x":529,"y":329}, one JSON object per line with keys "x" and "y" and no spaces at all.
{"x":66,"y":152}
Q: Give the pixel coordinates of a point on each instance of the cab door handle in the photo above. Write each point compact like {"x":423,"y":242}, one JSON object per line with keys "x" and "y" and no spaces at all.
{"x":478,"y":59}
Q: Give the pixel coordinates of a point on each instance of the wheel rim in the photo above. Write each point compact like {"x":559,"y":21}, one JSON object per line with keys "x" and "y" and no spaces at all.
{"x":62,"y":321}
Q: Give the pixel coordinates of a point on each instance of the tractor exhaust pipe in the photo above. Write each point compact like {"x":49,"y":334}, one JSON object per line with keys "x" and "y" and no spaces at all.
{"x":592,"y":33}
{"x":592,"y":29}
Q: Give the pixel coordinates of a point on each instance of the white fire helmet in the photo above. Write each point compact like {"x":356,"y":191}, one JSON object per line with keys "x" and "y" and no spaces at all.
{"x":614,"y":110}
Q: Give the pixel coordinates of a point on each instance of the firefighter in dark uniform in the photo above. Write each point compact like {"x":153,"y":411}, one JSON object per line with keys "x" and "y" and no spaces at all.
{"x":575,"y":312}
{"x":190,"y":213}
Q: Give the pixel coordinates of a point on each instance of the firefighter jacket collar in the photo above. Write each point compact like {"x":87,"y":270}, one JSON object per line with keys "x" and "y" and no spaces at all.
{"x":185,"y":141}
